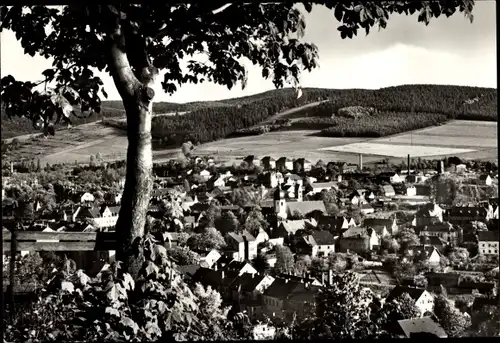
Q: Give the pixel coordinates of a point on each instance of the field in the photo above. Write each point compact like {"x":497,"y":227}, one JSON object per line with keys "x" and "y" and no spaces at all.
{"x":478,"y":138}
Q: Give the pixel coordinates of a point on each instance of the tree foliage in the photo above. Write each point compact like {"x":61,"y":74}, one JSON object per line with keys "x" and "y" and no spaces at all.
{"x":209,"y":239}
{"x":284,"y":260}
{"x":454,"y":322}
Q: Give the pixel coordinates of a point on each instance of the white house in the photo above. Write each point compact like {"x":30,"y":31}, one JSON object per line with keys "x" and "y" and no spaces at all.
{"x":424,"y":300}
{"x":319,"y":186}
{"x":484,"y":180}
{"x":210,"y":258}
{"x":488,"y":243}
{"x":411,"y":191}
{"x":261,"y":237}
{"x":205,"y":174}
{"x":104,"y":218}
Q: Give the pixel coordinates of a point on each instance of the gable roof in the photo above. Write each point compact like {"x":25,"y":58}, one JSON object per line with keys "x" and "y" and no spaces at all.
{"x":388,"y":189}
{"x":335,"y":222}
{"x":213,"y":278}
{"x":248,"y":282}
{"x":487,"y":236}
{"x":323,"y":237}
{"x":323,"y":185}
{"x":241,"y":237}
{"x":292,"y":226}
{"x":377,"y":222}
{"x":306,"y":207}
{"x":419,"y":249}
{"x":281,"y":288}
{"x":353,"y":232}
{"x":421,"y":325}
{"x":414,"y":293}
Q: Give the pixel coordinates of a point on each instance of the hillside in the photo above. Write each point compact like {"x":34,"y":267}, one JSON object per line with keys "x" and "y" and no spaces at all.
{"x":399,"y":109}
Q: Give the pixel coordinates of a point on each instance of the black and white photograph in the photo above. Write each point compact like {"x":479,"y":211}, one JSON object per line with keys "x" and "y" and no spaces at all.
{"x":249,"y":170}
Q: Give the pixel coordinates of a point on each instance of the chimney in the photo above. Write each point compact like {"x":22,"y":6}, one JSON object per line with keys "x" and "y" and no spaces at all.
{"x":408,"y":164}
{"x":323,"y":278}
{"x":222,"y":274}
{"x":360,"y":162}
{"x":330,"y":277}
{"x":215,"y":266}
{"x":12,"y":167}
{"x":441,"y":167}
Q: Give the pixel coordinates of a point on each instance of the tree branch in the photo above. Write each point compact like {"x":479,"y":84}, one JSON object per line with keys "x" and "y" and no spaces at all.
{"x":121,"y":71}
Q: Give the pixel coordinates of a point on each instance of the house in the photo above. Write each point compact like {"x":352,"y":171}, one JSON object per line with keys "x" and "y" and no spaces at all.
{"x":244,"y":244}
{"x":205,"y":175}
{"x":388,"y":191}
{"x":300,"y":279}
{"x":249,"y":160}
{"x":424,"y":301}
{"x":317,"y":187}
{"x":461,"y":215}
{"x":413,"y":328}
{"x":216,"y":181}
{"x":447,"y":280}
{"x":437,"y":242}
{"x":445,"y":231}
{"x":289,"y":228}
{"x":305,"y":165}
{"x":262,"y":236}
{"x":359,"y":240}
{"x":358,"y":197}
{"x":415,"y":178}
{"x":263,"y":332}
{"x":284,"y":209}
{"x":366,"y":209}
{"x":411,"y":191}
{"x":210,"y":258}
{"x":317,"y":244}
{"x":268,"y":163}
{"x":301,"y":301}
{"x":71,"y":215}
{"x":347,"y":168}
{"x":294,"y":179}
{"x":383,"y":227}
{"x":284,"y":163}
{"x":105,"y":217}
{"x":335,"y":224}
{"x":425,"y":253}
{"x":484,"y":180}
{"x":488,"y":243}
{"x":247,"y":290}
{"x":219,"y":280}
{"x":275,"y":298}
{"x":428,"y":215}
{"x":240,"y":267}
{"x":391,"y":177}
{"x":83,"y":198}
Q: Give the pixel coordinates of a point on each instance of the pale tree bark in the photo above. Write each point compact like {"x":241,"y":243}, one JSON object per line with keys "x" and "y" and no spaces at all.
{"x":137,"y":94}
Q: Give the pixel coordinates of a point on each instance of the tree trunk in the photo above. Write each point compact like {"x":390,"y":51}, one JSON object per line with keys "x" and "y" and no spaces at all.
{"x":138,"y":186}
{"x":136,"y":91}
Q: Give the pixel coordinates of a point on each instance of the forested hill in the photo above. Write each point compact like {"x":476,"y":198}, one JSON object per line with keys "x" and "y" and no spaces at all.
{"x":213,"y":120}
{"x":444,"y":102}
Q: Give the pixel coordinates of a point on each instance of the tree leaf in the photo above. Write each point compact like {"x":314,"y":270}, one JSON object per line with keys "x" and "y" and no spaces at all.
{"x":128,"y":282}
{"x":67,"y":286}
{"x":338,"y":12}
{"x":112,"y":311}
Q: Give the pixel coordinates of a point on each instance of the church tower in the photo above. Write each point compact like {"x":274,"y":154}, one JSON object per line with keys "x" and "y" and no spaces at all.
{"x":280,"y":203}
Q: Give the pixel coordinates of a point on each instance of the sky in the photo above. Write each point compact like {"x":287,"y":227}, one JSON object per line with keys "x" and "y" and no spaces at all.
{"x":448,"y":51}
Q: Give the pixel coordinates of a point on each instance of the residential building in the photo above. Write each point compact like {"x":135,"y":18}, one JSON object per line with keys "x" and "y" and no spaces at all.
{"x":240,"y":267}
{"x":413,"y":328}
{"x":488,"y":243}
{"x":103,"y":218}
{"x":358,"y":240}
{"x":268,"y":163}
{"x":247,"y":290}
{"x":366,"y":209}
{"x":205,"y":175}
{"x":305,"y":165}
{"x":288,"y":228}
{"x":424,"y":301}
{"x":484,"y":180}
{"x":445,"y":231}
{"x":461,"y":215}
{"x":335,"y":224}
{"x":83,"y":198}
{"x":317,"y":244}
{"x":424,"y":253}
{"x":210,"y":259}
{"x":317,"y":187}
{"x":391,"y":177}
{"x":411,"y":191}
{"x":382,"y":227}
{"x":428,"y":215}
{"x":244,"y":244}
{"x":219,"y":280}
{"x":284,"y":163}
{"x":388,"y":191}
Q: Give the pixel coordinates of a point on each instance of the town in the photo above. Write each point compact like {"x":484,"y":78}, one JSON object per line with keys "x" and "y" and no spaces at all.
{"x":269,"y":234}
